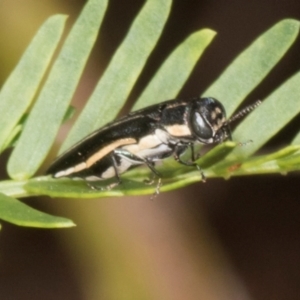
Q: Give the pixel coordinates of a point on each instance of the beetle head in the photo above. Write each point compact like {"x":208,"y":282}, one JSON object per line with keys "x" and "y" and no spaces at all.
{"x":209,"y":123}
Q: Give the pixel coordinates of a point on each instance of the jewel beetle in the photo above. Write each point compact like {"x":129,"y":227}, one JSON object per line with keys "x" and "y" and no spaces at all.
{"x":145,"y":137}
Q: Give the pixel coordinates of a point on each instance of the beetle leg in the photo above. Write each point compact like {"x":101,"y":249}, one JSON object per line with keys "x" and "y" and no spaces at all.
{"x":150,"y":164}
{"x":93,"y":187}
{"x":138,"y":160}
{"x":193,"y":158}
{"x":179,"y":149}
{"x":113,"y":184}
{"x":154,"y":175}
{"x":157,"y":189}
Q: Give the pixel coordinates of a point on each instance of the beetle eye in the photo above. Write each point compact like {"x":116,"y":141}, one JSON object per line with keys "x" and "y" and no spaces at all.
{"x":201,"y":128}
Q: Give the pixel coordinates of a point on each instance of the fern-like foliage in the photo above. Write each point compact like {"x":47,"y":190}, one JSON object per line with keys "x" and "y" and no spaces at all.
{"x":32,"y":139}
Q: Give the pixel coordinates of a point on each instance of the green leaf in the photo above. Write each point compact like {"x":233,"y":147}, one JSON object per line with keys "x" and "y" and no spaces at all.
{"x":237,"y":81}
{"x":53,"y":101}
{"x":215,"y":162}
{"x":253,"y":65}
{"x":227,"y":159}
{"x":69,"y":113}
{"x":269,"y":118}
{"x":281,"y":157}
{"x":18,"y":213}
{"x":11,"y":139}
{"x":296,"y":140}
{"x":13,"y":188}
{"x":176,"y":69}
{"x":174,"y":176}
{"x":122,"y":72}
{"x":21,"y":86}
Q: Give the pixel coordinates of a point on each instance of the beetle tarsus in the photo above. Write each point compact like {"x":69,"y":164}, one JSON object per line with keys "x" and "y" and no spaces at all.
{"x":241,"y":144}
{"x":103,"y":188}
{"x":192,"y":163}
{"x":149,"y":181}
{"x":119,"y":181}
{"x":93,"y":187}
{"x":157,"y":189}
{"x":203,"y":177}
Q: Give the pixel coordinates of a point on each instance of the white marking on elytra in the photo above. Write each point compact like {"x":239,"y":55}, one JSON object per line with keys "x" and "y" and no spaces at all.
{"x":124,"y":165}
{"x":107,"y":149}
{"x":60,"y":174}
{"x":64,"y":172}
{"x":71,"y":170}
{"x":92,"y":178}
{"x":79,"y":167}
{"x":95,"y":157}
{"x":109,"y":173}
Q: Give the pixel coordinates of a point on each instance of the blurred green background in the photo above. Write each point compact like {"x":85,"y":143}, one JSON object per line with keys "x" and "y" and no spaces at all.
{"x":235,"y":239}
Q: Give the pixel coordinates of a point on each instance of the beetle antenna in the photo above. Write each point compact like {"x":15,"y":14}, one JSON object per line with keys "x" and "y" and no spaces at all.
{"x":244,"y":111}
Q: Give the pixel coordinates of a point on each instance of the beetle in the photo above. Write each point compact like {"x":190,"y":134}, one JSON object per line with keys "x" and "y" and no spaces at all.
{"x":145,"y":137}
